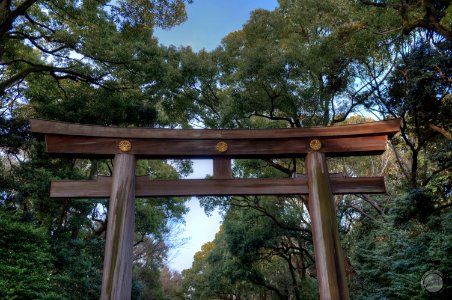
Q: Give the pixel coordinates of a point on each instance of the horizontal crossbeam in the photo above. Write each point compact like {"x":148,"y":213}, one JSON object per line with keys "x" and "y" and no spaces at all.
{"x":145,"y":187}
{"x":262,"y":148}
{"x":387,"y":127}
{"x":76,"y":140}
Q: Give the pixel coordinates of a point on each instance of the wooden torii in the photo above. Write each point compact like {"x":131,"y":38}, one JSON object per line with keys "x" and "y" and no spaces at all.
{"x":126,"y":145}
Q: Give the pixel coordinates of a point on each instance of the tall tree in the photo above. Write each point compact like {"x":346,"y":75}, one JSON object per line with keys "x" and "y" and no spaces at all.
{"x":309,"y":63}
{"x":79,"y":40}
{"x":433,"y":16}
{"x":80,"y":61}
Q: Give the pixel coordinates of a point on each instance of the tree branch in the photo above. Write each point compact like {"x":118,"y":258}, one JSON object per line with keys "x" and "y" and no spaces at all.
{"x":444,"y":132}
{"x":400,"y":162}
{"x":279,"y":167}
{"x":11,"y":16}
{"x":98,"y":232}
{"x":272,"y":217}
{"x":53,"y":71}
{"x":373,"y":203}
{"x":361,"y":211}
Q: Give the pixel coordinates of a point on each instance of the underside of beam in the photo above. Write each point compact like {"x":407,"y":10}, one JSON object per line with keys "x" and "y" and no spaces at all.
{"x":145,"y":187}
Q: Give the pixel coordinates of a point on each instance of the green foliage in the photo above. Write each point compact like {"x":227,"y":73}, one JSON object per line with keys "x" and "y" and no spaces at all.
{"x":81,"y":41}
{"x":390,"y":260}
{"x":189,"y":88}
{"x":77,"y":268}
{"x":258,"y":251}
{"x":82,"y":104}
{"x":87,"y":62}
{"x":431,"y":16}
{"x":306,"y":63}
{"x":296,"y":66}
{"x":25,"y":261}
{"x":419,"y":91}
{"x":147,"y":278}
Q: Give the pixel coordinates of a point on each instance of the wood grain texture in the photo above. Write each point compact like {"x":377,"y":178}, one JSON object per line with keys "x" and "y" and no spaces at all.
{"x":222,"y":168}
{"x":329,"y":260}
{"x":117,"y":272}
{"x":387,"y":127}
{"x":82,"y":146}
{"x":101,"y":188}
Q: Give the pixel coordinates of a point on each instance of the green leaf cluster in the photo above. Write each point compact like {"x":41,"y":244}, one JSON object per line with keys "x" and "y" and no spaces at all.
{"x":25,"y":261}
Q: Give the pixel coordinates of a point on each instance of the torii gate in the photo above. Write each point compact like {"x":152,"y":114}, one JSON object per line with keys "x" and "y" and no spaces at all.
{"x":128,"y":144}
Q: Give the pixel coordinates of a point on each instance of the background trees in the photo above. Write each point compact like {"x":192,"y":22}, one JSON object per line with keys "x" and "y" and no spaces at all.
{"x":306,"y":63}
{"x":79,"y":61}
{"x":312,"y":63}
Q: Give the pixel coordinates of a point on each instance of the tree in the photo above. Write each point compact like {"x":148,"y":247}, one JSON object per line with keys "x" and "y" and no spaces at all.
{"x":295,"y":66}
{"x":434,"y":16}
{"x":251,"y":257}
{"x":195,"y":279}
{"x":25,"y":262}
{"x":84,"y":41}
{"x":79,"y":50}
{"x":312,"y":63}
{"x":171,"y":284}
{"x":80,"y":61}
{"x":306,"y":63}
{"x":393,"y":255}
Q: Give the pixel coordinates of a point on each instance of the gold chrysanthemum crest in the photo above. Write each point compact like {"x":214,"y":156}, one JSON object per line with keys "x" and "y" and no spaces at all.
{"x":125,"y":146}
{"x":221,"y":147}
{"x":315,"y":144}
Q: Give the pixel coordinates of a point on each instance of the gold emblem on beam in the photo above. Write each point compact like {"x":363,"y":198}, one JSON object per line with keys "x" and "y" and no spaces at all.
{"x":221,"y":147}
{"x":315,"y":144}
{"x":125,"y":146}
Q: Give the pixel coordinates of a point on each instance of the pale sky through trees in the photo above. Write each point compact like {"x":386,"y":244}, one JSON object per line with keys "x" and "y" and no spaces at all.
{"x":199,"y":228}
{"x":208,"y":22}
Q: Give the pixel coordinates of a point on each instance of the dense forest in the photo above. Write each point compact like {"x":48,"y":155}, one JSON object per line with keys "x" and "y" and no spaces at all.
{"x":306,"y":63}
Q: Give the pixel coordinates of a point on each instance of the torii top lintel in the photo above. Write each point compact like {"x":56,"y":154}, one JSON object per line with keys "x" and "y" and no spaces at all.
{"x":77,"y":140}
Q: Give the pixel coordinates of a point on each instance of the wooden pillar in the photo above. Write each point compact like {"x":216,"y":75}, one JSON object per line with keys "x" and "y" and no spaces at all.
{"x":117,"y":273}
{"x":222,"y":168}
{"x":329,"y":259}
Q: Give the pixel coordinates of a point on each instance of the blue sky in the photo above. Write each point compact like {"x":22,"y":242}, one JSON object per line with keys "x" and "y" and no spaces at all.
{"x":211,"y":20}
{"x":198,"y":229}
{"x":208,"y":22}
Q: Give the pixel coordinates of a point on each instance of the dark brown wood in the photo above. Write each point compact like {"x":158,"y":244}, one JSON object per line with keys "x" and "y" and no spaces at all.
{"x":387,"y":127}
{"x":329,"y":259}
{"x":78,"y":146}
{"x":76,"y":140}
{"x":222,"y":168}
{"x":357,"y":185}
{"x":117,"y":273}
{"x":100,"y":188}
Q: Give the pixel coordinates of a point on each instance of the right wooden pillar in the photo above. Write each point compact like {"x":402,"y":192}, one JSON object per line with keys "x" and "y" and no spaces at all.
{"x":329,"y":259}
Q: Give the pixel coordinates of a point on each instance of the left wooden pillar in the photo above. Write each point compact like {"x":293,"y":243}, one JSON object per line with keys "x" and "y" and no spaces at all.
{"x":117,"y":273}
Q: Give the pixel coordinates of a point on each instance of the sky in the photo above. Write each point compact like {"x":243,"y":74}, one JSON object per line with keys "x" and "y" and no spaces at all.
{"x":198,"y":229}
{"x":209,"y":21}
